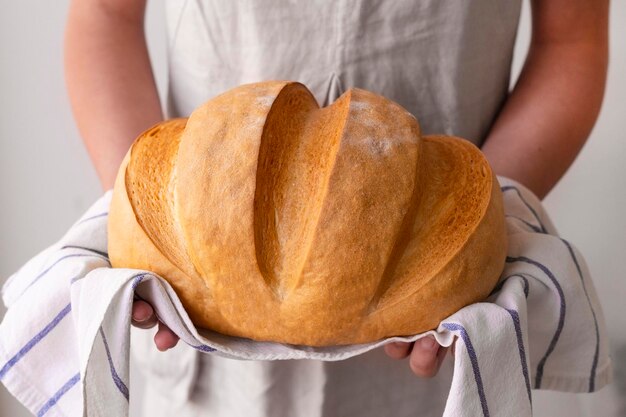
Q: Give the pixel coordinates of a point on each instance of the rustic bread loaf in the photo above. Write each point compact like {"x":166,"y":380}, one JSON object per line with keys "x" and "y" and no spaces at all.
{"x":276,"y":220}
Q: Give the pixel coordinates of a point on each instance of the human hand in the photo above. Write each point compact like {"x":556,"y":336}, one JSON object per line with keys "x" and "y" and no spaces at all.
{"x":143,"y":317}
{"x":425,"y":354}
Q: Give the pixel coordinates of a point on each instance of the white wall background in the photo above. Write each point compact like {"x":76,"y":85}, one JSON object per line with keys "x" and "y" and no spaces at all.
{"x":46,"y":178}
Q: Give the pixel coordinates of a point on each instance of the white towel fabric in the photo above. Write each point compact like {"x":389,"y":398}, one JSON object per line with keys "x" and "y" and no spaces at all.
{"x":64,"y":342}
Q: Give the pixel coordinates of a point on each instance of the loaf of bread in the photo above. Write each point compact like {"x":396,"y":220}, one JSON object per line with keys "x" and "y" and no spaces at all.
{"x":277,"y":220}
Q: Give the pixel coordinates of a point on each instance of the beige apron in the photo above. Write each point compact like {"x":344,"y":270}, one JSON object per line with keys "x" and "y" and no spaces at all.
{"x":446,"y":61}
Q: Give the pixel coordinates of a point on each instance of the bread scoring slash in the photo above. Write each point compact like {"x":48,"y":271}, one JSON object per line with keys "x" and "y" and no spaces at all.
{"x":277,"y":220}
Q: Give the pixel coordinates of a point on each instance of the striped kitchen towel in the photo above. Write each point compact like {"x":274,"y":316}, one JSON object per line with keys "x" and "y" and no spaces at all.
{"x":64,"y":342}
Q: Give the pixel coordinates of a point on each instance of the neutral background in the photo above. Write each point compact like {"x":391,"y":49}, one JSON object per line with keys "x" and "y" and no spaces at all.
{"x":46,"y":178}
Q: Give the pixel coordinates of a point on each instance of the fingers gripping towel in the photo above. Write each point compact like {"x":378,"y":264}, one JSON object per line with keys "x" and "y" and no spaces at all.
{"x":64,"y":341}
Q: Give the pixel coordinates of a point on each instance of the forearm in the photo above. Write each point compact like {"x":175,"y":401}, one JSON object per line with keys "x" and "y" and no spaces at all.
{"x":551,"y":111}
{"x":109,"y":79}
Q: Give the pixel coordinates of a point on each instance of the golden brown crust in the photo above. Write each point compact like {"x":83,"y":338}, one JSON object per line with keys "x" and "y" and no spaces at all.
{"x":277,"y":220}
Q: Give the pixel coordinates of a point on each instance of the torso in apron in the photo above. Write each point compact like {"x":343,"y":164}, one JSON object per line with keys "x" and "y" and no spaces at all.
{"x":446,"y":62}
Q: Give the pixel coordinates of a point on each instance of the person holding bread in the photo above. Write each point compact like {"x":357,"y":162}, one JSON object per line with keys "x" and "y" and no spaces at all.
{"x":446,"y":62}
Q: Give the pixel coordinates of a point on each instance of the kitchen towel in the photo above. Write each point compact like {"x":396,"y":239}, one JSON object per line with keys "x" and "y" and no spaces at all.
{"x":65,"y":339}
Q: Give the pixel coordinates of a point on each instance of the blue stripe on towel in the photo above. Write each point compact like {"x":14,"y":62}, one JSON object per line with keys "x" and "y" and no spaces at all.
{"x":474,"y":360}
{"x":594,"y":364}
{"x":106,"y":255}
{"x":559,"y":327}
{"x":204,"y":348}
{"x":116,"y":378}
{"x":57,"y":396}
{"x":137,"y":280}
{"x":532,"y":210}
{"x":520,"y":347}
{"x":503,"y":281}
{"x":531,"y":226}
{"x":36,"y":339}
{"x":72,"y":255}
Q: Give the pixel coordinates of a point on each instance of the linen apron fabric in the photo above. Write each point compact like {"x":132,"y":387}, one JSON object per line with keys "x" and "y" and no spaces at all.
{"x":447,"y":62}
